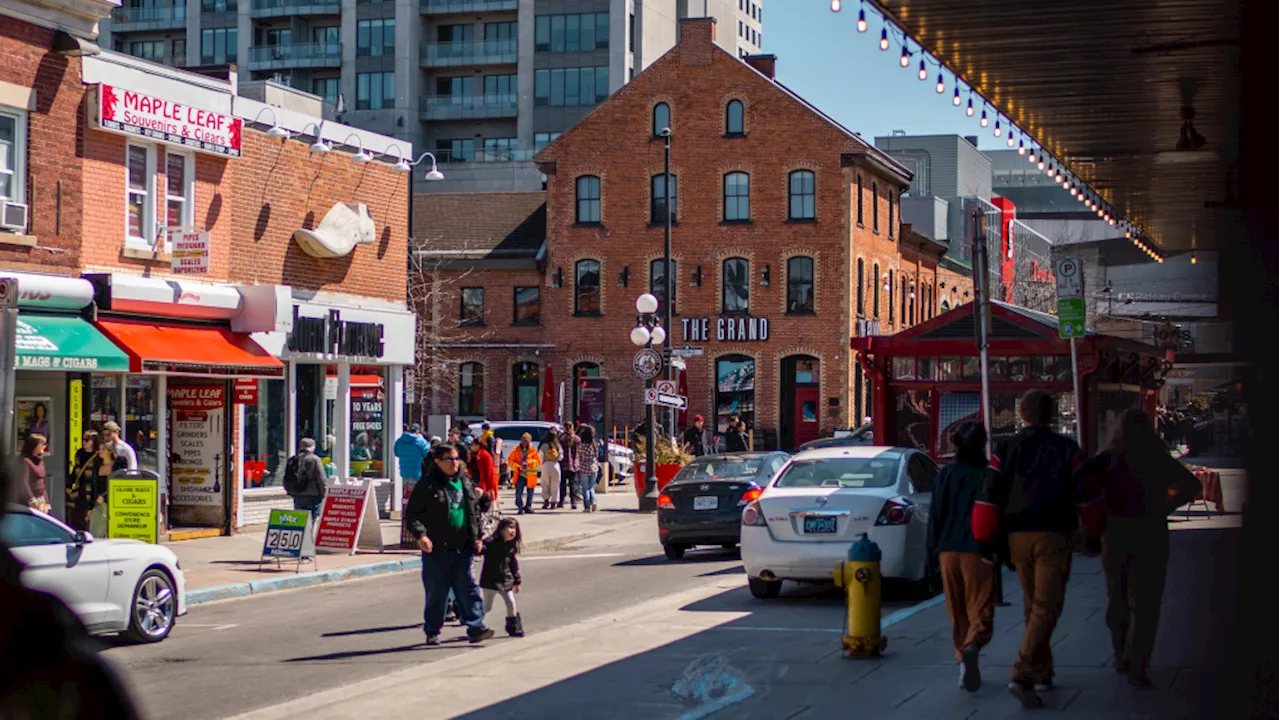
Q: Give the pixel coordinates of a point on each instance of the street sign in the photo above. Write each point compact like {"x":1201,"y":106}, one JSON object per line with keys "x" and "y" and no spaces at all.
{"x":1070,"y":317}
{"x":678,"y":363}
{"x":1071,"y":309}
{"x":671,"y":400}
{"x":667,"y":386}
{"x":647,"y":364}
{"x":1070,"y":281}
{"x":686,"y":351}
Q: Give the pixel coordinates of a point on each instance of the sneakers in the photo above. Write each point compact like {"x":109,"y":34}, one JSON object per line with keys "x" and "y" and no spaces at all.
{"x":479,"y":636}
{"x":962,"y":672}
{"x":1044,"y":686}
{"x":433,"y":639}
{"x":971,"y":678}
{"x":594,"y":507}
{"x":1025,"y":693}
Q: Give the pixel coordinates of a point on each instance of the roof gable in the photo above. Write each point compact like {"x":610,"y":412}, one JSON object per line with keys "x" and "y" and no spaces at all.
{"x":506,"y":224}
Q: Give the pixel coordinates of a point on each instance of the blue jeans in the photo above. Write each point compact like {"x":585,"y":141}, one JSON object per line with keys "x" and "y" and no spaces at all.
{"x":589,"y":489}
{"x":523,"y":490}
{"x":445,"y":572}
{"x":312,"y":503}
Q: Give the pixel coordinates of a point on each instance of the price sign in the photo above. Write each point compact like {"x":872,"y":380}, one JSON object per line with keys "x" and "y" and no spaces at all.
{"x":289,"y":535}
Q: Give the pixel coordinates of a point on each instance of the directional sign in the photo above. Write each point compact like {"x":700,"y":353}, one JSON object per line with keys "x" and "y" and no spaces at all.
{"x":653,"y":397}
{"x":1071,"y":309}
{"x":1070,"y":317}
{"x":686,"y":351}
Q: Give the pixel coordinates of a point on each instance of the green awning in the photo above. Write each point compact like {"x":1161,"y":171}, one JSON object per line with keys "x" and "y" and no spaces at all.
{"x":65,"y":343}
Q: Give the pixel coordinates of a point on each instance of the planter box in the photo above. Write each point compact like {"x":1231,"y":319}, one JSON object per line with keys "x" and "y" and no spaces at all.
{"x":665,"y":473}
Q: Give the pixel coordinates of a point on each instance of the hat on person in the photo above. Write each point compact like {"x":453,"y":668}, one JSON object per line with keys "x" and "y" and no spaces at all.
{"x":111,"y":426}
{"x":698,"y":418}
{"x":415,"y":427}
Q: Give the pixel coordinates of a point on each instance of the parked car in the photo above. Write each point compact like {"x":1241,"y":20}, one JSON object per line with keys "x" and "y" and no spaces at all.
{"x":702,"y":505}
{"x":620,"y":456}
{"x":861,"y":435}
{"x":123,"y":586}
{"x":801,"y":526}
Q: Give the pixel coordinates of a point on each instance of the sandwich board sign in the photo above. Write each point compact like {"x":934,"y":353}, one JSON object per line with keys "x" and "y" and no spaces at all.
{"x":289,"y":535}
{"x":348,"y":518}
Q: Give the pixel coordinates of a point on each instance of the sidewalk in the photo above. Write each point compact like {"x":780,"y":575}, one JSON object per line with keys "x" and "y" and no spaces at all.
{"x":224,"y":567}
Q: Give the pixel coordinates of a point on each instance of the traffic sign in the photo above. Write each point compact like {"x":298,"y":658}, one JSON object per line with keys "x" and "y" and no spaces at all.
{"x":653,"y":397}
{"x":1070,"y":317}
{"x":687,"y":351}
{"x":667,"y":386}
{"x":1070,"y":281}
{"x":647,"y":364}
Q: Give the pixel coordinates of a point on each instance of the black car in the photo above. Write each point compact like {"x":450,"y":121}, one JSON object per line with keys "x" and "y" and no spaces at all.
{"x":859,"y":436}
{"x":702,"y":505}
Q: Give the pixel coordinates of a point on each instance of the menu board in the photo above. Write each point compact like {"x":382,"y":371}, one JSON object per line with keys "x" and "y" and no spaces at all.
{"x":348,"y":518}
{"x":198,"y":443}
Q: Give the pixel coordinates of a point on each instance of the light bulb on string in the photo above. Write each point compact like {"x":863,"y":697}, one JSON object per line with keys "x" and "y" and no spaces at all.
{"x":1111,"y":221}
{"x":955,"y":98}
{"x":983,"y":121}
{"x":1022,"y":149}
{"x":835,"y":5}
{"x":1193,"y":259}
{"x":1066,"y":185}
{"x":969,"y":110}
{"x":862,"y":21}
{"x":1040,"y":164}
{"x":941,"y":87}
{"x":1073,"y":190}
{"x":905,"y":60}
{"x":997,"y":130}
{"x":1009,"y":142}
{"x":884,"y":38}
{"x":923,"y":74}
{"x":1058,"y":175}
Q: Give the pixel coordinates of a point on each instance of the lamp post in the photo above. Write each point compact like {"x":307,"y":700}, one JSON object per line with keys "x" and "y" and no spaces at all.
{"x":647,"y":333}
{"x":668,"y":283}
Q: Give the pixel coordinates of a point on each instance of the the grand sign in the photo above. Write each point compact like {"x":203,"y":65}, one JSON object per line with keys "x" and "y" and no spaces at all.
{"x":727,"y":329}
{"x":162,"y":120}
{"x":331,"y":335}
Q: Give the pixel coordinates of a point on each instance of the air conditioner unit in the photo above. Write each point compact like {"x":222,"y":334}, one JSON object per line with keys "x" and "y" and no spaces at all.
{"x":14,"y":217}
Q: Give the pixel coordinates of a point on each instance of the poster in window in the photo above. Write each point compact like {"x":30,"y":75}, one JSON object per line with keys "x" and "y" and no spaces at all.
{"x":736,"y":375}
{"x":31,"y":416}
{"x":198,"y":449}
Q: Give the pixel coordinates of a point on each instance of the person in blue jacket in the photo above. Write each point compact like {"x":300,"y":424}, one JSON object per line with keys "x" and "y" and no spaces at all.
{"x":411,"y":449}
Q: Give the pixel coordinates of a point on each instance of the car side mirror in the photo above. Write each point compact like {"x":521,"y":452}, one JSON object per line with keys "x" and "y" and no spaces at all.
{"x":83,"y":537}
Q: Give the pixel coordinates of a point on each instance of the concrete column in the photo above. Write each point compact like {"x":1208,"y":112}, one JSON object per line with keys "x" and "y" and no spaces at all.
{"x":238,"y":474}
{"x":193,"y":32}
{"x":524,"y":75}
{"x":291,"y":410}
{"x":408,"y":74}
{"x":342,"y":422}
{"x":393,"y":415}
{"x":347,"y":34}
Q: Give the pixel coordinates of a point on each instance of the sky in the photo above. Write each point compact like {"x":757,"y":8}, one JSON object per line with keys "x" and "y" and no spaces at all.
{"x":824,"y":59}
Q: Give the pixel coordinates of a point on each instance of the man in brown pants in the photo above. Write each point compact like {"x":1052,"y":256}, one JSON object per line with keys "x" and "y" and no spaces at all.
{"x":1036,"y":492}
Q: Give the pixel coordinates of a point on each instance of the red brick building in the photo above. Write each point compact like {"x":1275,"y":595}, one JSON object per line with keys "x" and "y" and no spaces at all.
{"x":785,"y":242}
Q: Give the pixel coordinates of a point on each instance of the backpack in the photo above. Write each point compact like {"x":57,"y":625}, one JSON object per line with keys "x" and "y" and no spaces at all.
{"x":292,"y":479}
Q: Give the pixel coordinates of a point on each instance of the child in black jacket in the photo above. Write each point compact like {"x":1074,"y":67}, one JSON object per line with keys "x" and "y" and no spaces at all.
{"x":500,"y":575}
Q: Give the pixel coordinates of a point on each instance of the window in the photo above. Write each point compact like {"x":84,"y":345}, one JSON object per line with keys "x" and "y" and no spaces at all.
{"x":735,"y":390}
{"x":218,"y":46}
{"x":889,"y":197}
{"x":265,"y":454}
{"x":219,"y":6}
{"x":571,"y":33}
{"x":499,"y":89}
{"x":21,"y":529}
{"x":570,"y":87}
{"x":733,"y":119}
{"x":862,"y":288}
{"x":735,"y":286}
{"x":661,"y":118}
{"x":890,"y":285}
{"x":471,"y":389}
{"x":326,"y":88}
{"x":328,"y":35}
{"x":802,"y":195}
{"x":179,"y":190}
{"x":875,"y":288}
{"x":526,"y":390}
{"x":495,"y":31}
{"x":903,"y":300}
{"x":455,"y":35}
{"x":737,"y":197}
{"x":528,"y":306}
{"x":875,"y":208}
{"x":456,"y":88}
{"x":541,"y":140}
{"x":658,"y":285}
{"x":456,"y":150}
{"x":13,"y":155}
{"x":631,"y":34}
{"x":859,"y":200}
{"x":375,"y":38}
{"x":151,"y":50}
{"x":472,"y":310}
{"x":586,"y":287}
{"x":499,"y":149}
{"x":375,"y":91}
{"x":588,"y":199}
{"x":179,"y":54}
{"x":658,"y":199}
{"x":800,"y":286}
{"x":140,"y":167}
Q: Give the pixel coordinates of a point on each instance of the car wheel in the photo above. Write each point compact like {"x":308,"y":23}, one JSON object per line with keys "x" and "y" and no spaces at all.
{"x":674,"y":552}
{"x":764,"y":588}
{"x":154,"y":608}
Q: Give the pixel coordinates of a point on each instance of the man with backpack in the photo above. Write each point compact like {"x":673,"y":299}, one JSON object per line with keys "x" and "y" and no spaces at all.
{"x":304,"y":479}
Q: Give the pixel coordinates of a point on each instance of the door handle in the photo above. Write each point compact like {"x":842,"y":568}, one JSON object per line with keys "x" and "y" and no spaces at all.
{"x":118,"y":573}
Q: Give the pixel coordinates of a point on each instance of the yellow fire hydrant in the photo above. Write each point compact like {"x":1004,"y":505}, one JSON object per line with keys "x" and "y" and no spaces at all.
{"x":860,"y":578}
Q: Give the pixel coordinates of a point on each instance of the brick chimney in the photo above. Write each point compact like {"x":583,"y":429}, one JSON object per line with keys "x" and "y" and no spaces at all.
{"x":697,"y":40}
{"x":764,"y":63}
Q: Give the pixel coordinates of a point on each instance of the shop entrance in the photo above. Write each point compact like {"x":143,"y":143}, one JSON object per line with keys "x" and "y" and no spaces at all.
{"x":800,"y":400}
{"x":526,"y":391}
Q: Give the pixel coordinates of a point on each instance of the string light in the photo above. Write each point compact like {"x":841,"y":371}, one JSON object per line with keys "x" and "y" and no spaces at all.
{"x":1022,"y":149}
{"x":1066,"y":185}
{"x":1073,"y":190}
{"x":835,"y":5}
{"x":923,"y":74}
{"x":1009,"y":142}
{"x":862,"y":21}
{"x":997,"y":130}
{"x":955,"y":99}
{"x":905,"y":60}
{"x":983,"y":122}
{"x":1040,"y":164}
{"x":969,"y":110}
{"x":884,"y":38}
{"x":1193,"y":259}
{"x":941,"y":87}
{"x":1058,"y":177}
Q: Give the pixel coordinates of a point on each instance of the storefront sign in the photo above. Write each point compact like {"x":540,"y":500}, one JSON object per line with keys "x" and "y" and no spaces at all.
{"x":348,"y":518}
{"x":75,"y":421}
{"x":65,"y":343}
{"x":728,"y":329}
{"x":160,"y":120}
{"x":190,"y":252}
{"x":289,"y":535}
{"x":132,"y":509}
{"x":51,"y":292}
{"x":197,"y":455}
{"x":331,"y":335}
{"x":246,"y":390}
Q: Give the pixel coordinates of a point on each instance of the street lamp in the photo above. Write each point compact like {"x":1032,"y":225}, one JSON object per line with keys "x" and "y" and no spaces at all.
{"x":646,"y":334}
{"x":668,"y":282}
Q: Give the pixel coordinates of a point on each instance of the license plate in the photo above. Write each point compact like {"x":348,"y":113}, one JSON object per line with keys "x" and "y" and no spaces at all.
{"x":706,"y":502}
{"x":819,"y":525}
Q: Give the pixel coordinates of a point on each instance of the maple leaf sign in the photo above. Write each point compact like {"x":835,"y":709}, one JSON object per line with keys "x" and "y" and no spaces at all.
{"x":109,"y":101}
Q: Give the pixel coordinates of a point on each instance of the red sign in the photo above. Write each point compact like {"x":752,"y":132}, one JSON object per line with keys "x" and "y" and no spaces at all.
{"x":246,"y":390}
{"x":340,"y":517}
{"x":157,"y":119}
{"x":196,"y":397}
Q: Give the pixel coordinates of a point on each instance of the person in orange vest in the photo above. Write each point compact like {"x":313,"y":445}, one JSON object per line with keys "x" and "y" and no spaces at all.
{"x":524,"y":462}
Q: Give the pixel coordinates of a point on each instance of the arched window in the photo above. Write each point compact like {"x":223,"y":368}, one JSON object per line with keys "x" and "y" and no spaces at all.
{"x":733,"y":118}
{"x":801,"y":195}
{"x":658,"y":284}
{"x":862,"y":288}
{"x":588,"y":199}
{"x":586,"y":287}
{"x":875,"y":288}
{"x":735,"y":286}
{"x":800,"y":286}
{"x":658,"y":199}
{"x":737,"y":196}
{"x":661,"y":118}
{"x":471,"y":389}
{"x":875,"y":208}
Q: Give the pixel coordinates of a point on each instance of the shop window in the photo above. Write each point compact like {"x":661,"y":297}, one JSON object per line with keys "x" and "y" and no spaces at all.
{"x":586,"y":287}
{"x":266,"y":448}
{"x":588,"y":199}
{"x":471,"y":313}
{"x":926,"y":368}
{"x":13,"y":155}
{"x":736,"y":287}
{"x":140,"y":193}
{"x":862,"y":288}
{"x":800,"y":286}
{"x":911,"y":419}
{"x":471,"y":389}
{"x":179,"y":183}
{"x":661,"y":118}
{"x":140,"y":418}
{"x":904,"y":368}
{"x":368,"y":421}
{"x":735,"y":390}
{"x":526,"y":390}
{"x":317,"y":392}
{"x":104,"y":400}
{"x":733,"y":118}
{"x":802,"y":195}
{"x":527,"y":306}
{"x":658,"y":285}
{"x":658,"y":199}
{"x":737,"y":197}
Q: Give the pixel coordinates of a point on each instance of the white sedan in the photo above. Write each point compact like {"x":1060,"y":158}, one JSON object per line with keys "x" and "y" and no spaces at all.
{"x":823,"y":499}
{"x":124,"y":586}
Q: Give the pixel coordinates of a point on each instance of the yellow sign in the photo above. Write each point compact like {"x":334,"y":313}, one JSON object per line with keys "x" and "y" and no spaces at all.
{"x":132,"y":512}
{"x":75,"y":420}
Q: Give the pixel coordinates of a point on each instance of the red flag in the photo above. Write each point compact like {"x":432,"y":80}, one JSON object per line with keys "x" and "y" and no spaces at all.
{"x":549,"y":396}
{"x":684,"y":390}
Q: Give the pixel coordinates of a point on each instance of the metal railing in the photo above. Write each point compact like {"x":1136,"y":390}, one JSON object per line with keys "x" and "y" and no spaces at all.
{"x":430,"y":7}
{"x":486,"y":156}
{"x":296,"y":55}
{"x":158,"y":15}
{"x":461,"y":107}
{"x":269,"y":8}
{"x":485,"y":52}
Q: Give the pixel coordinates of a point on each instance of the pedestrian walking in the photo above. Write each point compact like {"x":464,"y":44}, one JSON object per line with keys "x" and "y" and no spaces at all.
{"x":80,"y":489}
{"x":483,"y":472}
{"x":694,"y":436}
{"x":445,"y":521}
{"x":304,"y":479}
{"x":588,"y":468}
{"x":968,"y":567}
{"x":569,"y":466}
{"x":551,"y":452}
{"x":411,"y":449}
{"x":34,"y":488}
{"x":524,"y":462}
{"x":111,"y":435}
{"x":1127,"y":493}
{"x":500,"y":575}
{"x":463,"y":447}
{"x":104,"y":464}
{"x":1033,"y":494}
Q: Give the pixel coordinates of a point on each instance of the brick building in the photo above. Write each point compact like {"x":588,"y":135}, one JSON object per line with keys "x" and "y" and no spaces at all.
{"x":218,"y":276}
{"x":786,"y":242}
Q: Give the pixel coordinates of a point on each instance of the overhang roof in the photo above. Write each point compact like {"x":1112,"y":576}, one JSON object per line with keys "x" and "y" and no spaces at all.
{"x":480,"y":225}
{"x":1101,"y":85}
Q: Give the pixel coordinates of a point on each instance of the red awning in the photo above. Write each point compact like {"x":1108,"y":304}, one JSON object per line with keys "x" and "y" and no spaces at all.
{"x":190,"y":349}
{"x":362,"y":381}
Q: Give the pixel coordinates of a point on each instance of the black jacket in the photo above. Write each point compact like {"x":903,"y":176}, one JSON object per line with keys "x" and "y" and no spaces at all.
{"x":954,"y":492}
{"x":693,"y":438}
{"x":735,"y":441}
{"x":310,"y":475}
{"x":428,"y":512}
{"x":501,"y":569}
{"x":1034,"y":484}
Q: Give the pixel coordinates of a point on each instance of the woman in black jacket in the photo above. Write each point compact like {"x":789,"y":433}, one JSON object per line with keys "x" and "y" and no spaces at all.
{"x":968,"y":567}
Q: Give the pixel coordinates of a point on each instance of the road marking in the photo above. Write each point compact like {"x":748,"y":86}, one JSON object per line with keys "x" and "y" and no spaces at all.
{"x":210,"y":625}
{"x":574,"y":557}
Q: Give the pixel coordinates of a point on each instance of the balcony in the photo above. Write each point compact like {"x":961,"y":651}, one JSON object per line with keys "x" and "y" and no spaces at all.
{"x":468,"y":107}
{"x":289,"y":8}
{"x":505,"y":155}
{"x":450,"y":54}
{"x":162,"y":17}
{"x":443,"y":7}
{"x":295,"y":55}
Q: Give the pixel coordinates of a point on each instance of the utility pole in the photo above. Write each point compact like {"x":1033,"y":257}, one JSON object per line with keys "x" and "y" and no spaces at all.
{"x":8,"y":367}
{"x":668,"y":298}
{"x":982,"y":312}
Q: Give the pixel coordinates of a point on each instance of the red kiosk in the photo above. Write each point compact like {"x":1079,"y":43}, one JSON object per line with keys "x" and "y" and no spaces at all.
{"x":927,"y":380}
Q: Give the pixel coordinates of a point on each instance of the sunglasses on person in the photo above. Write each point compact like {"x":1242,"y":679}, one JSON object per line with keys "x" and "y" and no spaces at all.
{"x":451,"y":458}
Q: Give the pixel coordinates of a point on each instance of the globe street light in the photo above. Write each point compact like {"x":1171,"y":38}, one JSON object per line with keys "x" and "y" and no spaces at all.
{"x":647,"y":333}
